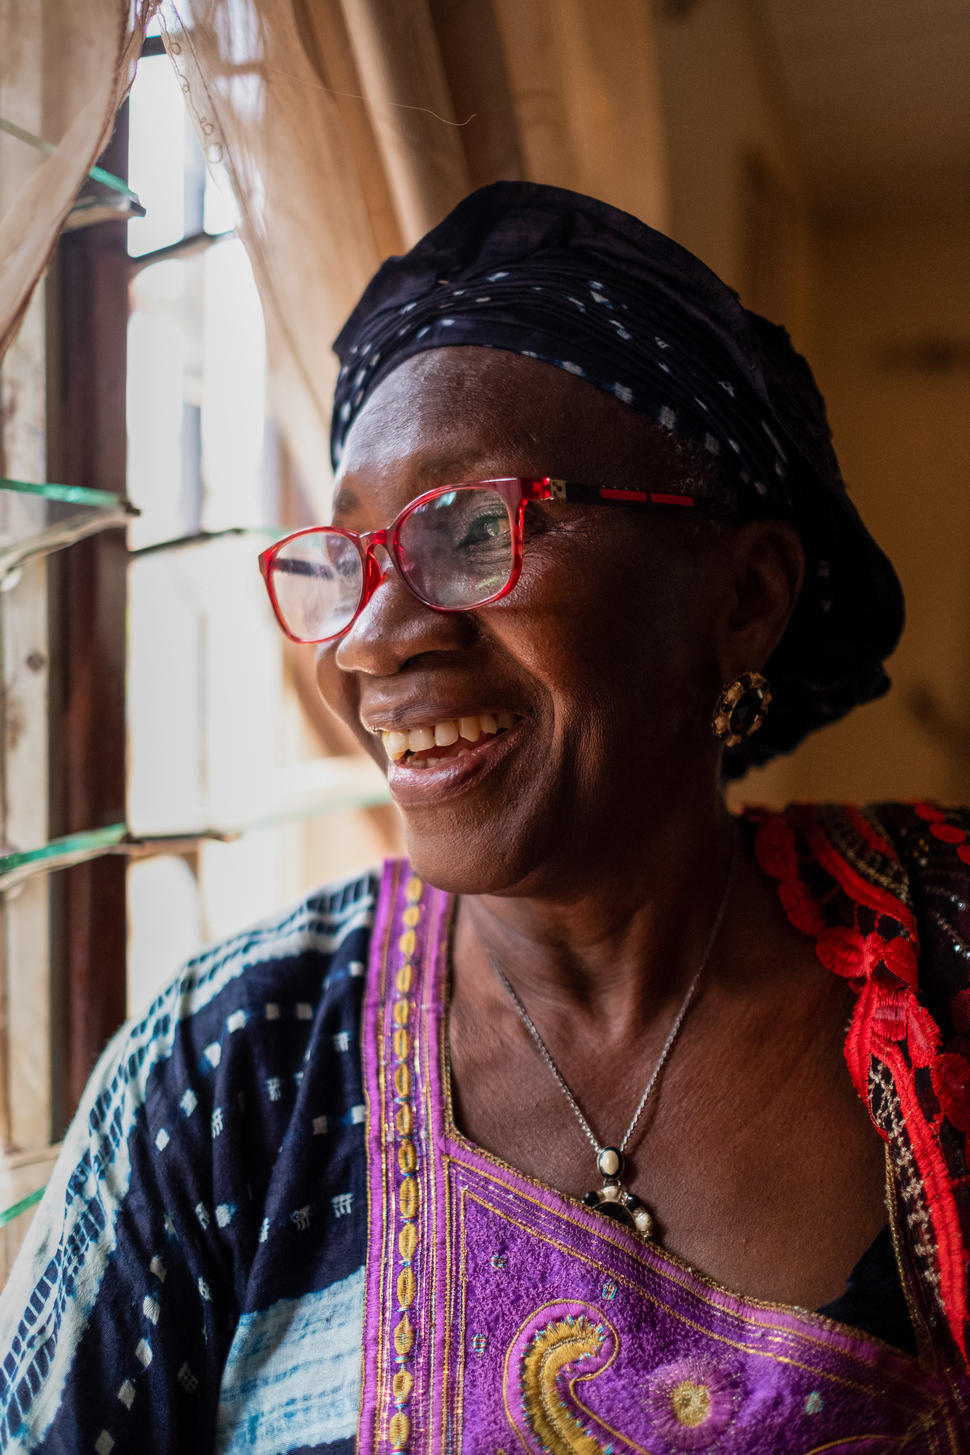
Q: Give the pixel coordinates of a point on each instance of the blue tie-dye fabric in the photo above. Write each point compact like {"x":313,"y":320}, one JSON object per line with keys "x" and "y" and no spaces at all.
{"x":204,"y":1229}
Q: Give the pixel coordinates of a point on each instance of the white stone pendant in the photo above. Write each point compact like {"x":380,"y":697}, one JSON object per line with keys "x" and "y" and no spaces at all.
{"x":614,"y":1200}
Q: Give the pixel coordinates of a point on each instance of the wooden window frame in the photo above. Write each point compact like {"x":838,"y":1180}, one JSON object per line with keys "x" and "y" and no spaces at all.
{"x":87,"y":299}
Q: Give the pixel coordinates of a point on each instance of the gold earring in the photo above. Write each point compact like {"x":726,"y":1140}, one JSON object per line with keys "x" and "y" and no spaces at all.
{"x":740,"y":709}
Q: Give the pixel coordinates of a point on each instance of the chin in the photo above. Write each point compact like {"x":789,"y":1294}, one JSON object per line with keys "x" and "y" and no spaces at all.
{"x":458,"y":866}
{"x":511,"y":858}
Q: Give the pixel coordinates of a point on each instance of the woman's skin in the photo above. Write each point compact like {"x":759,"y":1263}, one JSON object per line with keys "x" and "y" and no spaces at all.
{"x":590,"y":844}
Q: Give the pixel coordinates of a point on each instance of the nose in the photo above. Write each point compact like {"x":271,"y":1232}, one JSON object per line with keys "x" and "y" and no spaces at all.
{"x":393,"y":626}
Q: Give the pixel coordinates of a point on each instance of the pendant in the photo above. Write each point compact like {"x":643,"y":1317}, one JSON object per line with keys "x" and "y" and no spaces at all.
{"x":614,"y":1200}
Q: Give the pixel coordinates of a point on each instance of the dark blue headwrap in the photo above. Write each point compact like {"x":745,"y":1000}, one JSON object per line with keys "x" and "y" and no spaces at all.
{"x":560,"y":277}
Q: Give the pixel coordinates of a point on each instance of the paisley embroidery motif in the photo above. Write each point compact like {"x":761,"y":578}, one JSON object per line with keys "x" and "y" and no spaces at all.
{"x":559,"y":1345}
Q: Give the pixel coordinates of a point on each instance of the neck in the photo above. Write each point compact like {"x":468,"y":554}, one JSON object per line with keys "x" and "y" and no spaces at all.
{"x":619,"y":948}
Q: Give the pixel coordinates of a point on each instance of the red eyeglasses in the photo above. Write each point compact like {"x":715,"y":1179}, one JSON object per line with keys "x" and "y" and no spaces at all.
{"x":456,"y":548}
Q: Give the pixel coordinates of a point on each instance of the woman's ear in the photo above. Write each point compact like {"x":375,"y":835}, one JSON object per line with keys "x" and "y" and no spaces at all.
{"x":767,"y":568}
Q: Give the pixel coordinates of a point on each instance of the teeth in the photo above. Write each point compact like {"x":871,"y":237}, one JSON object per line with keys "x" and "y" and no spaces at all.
{"x":444,"y":735}
{"x":395,"y":744}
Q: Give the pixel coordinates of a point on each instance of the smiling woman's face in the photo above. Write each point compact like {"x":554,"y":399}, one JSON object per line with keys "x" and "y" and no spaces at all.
{"x":601,"y":664}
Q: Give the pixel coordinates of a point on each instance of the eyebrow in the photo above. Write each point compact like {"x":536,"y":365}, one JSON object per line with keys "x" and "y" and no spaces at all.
{"x":458,"y":468}
{"x":344,"y":499}
{"x":432,"y":470}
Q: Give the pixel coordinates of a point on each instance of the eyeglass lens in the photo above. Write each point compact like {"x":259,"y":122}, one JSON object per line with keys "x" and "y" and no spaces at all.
{"x":317,"y":578}
{"x":455,"y":550}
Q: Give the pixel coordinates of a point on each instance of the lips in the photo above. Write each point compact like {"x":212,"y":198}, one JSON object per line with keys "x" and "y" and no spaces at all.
{"x":435,"y":742}
{"x":461,"y":752}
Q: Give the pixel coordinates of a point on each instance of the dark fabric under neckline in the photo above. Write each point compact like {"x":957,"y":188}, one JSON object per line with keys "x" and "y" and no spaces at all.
{"x":873,"y":1300}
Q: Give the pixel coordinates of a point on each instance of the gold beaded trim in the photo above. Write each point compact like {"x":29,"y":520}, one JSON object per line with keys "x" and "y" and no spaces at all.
{"x":408,"y":1193}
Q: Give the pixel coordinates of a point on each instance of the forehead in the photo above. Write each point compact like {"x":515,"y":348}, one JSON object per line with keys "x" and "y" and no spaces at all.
{"x":466,"y":413}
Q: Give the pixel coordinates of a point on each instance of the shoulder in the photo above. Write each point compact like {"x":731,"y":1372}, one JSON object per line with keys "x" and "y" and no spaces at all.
{"x":288,"y":971}
{"x":927,"y":829}
{"x":244,"y":1009}
{"x":324,"y":927}
{"x":933,"y":843}
{"x":315,"y":942}
{"x":906,"y":841}
{"x":930,"y":842}
{"x":913,"y":831}
{"x":213,"y":1129}
{"x":859,"y":875}
{"x":885,"y":890}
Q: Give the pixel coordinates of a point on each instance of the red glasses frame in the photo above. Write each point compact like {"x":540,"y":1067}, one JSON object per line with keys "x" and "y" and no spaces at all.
{"x":516,"y":491}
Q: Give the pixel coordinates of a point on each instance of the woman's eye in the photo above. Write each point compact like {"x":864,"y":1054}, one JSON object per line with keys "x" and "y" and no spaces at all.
{"x":485,"y":528}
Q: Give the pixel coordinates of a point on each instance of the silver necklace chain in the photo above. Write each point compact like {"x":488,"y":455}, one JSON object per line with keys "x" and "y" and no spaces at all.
{"x":668,"y":1045}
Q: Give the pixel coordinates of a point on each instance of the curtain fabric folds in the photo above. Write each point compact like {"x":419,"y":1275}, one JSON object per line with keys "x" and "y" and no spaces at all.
{"x":64,"y":71}
{"x":347,"y":128}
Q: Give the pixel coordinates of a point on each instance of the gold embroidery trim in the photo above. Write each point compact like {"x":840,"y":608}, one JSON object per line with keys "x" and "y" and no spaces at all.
{"x":408,"y":1192}
{"x":904,"y":1397}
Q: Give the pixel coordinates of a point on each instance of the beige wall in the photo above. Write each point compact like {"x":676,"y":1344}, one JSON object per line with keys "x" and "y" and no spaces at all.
{"x":887,"y":292}
{"x":726,"y":128}
{"x":862,"y":299}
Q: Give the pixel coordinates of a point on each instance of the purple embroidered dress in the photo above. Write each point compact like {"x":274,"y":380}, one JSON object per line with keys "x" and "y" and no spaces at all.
{"x":502,"y":1316}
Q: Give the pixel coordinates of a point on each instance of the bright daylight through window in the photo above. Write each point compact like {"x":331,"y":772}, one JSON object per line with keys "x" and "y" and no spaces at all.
{"x":218,"y":739}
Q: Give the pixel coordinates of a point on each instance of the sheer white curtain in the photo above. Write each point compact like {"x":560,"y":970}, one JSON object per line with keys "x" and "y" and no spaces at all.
{"x":348,"y":128}
{"x":64,"y":71}
{"x":345,"y":128}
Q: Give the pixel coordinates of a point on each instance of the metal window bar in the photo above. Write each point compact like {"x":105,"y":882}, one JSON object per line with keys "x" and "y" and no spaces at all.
{"x":320,"y":786}
{"x":203,"y":537}
{"x":68,"y":494}
{"x":96,"y":174}
{"x":24,"y":1205}
{"x":189,"y":246}
{"x":59,"y":537}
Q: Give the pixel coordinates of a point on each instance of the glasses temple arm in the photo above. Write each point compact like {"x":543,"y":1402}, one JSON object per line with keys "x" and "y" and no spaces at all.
{"x":576,"y":493}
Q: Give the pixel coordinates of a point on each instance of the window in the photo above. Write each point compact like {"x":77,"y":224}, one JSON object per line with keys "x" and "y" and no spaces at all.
{"x":188,"y":772}
{"x":218,"y":739}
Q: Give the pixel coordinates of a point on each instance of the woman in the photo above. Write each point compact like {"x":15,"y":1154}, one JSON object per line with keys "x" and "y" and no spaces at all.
{"x":591,"y":553}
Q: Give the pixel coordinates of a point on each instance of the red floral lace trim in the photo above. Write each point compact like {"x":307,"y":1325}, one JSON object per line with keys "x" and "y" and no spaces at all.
{"x":868,"y":935}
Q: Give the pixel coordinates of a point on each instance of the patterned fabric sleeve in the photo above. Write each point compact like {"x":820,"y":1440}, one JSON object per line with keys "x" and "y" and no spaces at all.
{"x":214,"y":1135}
{"x":107,"y":1305}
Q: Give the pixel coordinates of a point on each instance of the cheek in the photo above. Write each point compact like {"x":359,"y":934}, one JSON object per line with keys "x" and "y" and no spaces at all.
{"x":614,"y":638}
{"x":338,"y":690}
